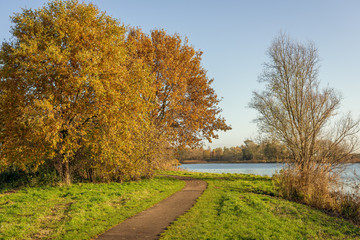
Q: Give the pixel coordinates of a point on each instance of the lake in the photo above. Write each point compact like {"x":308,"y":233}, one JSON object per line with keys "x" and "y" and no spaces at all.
{"x":264,"y":169}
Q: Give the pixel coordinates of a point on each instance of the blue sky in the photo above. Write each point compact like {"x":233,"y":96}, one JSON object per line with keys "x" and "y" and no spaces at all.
{"x":235,"y":35}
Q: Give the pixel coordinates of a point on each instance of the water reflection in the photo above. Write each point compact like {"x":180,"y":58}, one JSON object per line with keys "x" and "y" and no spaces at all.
{"x":263,"y":169}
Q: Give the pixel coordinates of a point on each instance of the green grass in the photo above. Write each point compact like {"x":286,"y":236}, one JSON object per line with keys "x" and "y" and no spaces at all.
{"x":79,"y":211}
{"x":245,"y":207}
{"x":234,"y":206}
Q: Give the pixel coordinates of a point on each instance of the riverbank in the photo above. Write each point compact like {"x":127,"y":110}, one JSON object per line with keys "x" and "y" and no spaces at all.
{"x":234,"y":206}
{"x":219,"y":161}
{"x":354,"y":160}
{"x":237,"y":206}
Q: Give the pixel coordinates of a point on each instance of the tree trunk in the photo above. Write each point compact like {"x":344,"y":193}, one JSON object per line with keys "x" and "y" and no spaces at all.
{"x":65,"y":175}
{"x":91,"y":175}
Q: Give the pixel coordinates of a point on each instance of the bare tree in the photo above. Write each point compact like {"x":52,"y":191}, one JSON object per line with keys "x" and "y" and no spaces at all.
{"x":297,"y":111}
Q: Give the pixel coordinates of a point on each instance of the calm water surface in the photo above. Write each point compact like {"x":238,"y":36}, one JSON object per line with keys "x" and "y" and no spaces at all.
{"x":264,"y":169}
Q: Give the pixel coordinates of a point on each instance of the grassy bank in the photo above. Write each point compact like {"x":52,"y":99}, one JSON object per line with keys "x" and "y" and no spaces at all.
{"x":245,"y":207}
{"x":234,"y":206}
{"x":80,"y":211}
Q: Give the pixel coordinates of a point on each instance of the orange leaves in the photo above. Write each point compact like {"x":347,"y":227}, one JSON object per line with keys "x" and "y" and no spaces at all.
{"x":186,"y":105}
{"x":76,"y":92}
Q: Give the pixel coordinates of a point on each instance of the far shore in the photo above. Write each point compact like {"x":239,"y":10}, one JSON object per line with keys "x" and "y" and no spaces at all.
{"x":219,"y":161}
{"x":356,"y":160}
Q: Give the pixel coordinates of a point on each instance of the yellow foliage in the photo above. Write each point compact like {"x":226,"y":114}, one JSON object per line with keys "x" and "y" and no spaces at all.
{"x":186,"y":107}
{"x":70,"y":95}
{"x":80,"y":94}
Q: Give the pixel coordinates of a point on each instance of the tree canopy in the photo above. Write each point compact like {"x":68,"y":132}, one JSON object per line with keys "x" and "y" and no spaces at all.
{"x":80,"y":92}
{"x":186,"y":105}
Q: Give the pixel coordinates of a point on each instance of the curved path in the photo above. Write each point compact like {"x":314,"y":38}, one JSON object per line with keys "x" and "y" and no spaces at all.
{"x":150,"y":223}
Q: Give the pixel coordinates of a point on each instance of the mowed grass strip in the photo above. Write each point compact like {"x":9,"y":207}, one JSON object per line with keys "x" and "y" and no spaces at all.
{"x":79,"y":211}
{"x":245,"y":207}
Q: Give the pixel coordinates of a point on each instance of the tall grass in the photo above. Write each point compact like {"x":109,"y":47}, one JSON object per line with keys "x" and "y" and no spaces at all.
{"x":319,"y":187}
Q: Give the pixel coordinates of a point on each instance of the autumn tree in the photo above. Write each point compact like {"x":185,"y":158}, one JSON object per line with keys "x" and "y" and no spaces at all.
{"x":273,"y":150}
{"x":207,"y":154}
{"x":237,"y":153}
{"x":297,"y":111}
{"x":186,"y":105}
{"x":70,"y":95}
{"x":252,"y":151}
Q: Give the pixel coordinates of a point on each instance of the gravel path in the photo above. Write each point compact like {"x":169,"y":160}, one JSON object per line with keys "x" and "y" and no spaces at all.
{"x":150,"y":223}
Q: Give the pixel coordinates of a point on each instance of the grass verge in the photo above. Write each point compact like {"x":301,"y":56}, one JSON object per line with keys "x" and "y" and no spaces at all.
{"x":79,"y":211}
{"x":245,"y":207}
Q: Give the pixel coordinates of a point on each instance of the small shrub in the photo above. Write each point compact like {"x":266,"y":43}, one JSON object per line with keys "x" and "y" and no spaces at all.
{"x":14,"y":178}
{"x":318,"y":188}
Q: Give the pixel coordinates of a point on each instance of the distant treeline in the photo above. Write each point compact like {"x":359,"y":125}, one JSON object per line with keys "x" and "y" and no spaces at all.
{"x":266,"y":151}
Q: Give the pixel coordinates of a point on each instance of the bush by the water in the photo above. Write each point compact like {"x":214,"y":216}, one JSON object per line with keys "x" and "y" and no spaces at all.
{"x":321,"y":189}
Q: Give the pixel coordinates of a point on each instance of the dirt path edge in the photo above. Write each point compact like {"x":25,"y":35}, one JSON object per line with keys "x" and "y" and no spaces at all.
{"x":149,"y":224}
